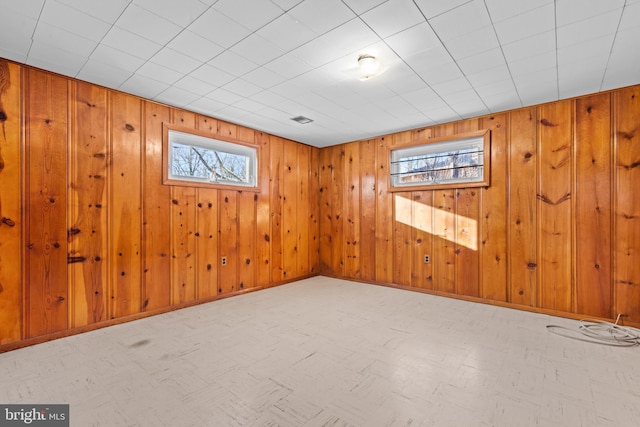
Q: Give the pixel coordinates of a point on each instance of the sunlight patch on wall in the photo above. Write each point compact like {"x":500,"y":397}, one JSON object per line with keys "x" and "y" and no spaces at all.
{"x":437,"y":222}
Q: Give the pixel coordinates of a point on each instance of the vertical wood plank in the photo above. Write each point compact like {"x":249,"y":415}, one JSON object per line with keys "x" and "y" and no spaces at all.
{"x":46,"y":163}
{"x":627,"y":204}
{"x":593,"y":206}
{"x":314,"y":210}
{"x":277,"y":227}
{"x":324,"y":223}
{"x":554,"y":205}
{"x":352,"y":210}
{"x":402,"y":238}
{"x":263,"y":214}
{"x":289,"y":209}
{"x":444,"y":226}
{"x":467,"y":272}
{"x":183,"y":244}
{"x":523,"y":218}
{"x":444,"y":235}
{"x":493,"y":214}
{"x":206,"y":238}
{"x":10,"y":204}
{"x":337,"y":210}
{"x":87,"y":236}
{"x":304,"y":220}
{"x":384,"y":214}
{"x":228,"y":238}
{"x":368,"y":209}
{"x":156,"y":242}
{"x":125,"y":205}
{"x":247,"y":202}
{"x":422,"y":221}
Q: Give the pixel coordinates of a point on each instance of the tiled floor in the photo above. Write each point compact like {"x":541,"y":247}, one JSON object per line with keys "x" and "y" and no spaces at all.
{"x":326,"y":352}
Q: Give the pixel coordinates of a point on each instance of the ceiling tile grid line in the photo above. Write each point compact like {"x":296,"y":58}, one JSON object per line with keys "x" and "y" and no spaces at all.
{"x":258,"y":63}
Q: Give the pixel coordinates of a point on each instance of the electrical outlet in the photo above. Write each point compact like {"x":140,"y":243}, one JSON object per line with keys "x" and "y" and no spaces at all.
{"x":427,"y":259}
{"x":224,"y":260}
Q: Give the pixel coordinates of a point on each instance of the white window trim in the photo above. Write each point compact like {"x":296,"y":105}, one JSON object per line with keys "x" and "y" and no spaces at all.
{"x":479,"y":140}
{"x":175,"y":134}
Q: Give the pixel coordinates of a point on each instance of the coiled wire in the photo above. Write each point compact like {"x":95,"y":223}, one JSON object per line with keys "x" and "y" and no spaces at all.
{"x":600,"y":332}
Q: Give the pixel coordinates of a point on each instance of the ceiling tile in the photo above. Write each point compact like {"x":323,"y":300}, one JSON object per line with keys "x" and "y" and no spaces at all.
{"x":361,"y":6}
{"x":461,"y":20}
{"x":147,"y":24}
{"x":623,"y":70}
{"x":104,"y":74}
{"x":242,"y":87}
{"x":116,"y":58}
{"x":481,"y":61}
{"x":570,"y":11}
{"x":533,"y":64}
{"x":630,"y":17}
{"x":345,"y":39}
{"x":257,"y":49}
{"x":72,"y":43}
{"x":106,"y":11}
{"x":180,"y":12}
{"x":595,"y":50}
{"x":224,"y":96}
{"x":176,"y":97}
{"x":263,"y":77}
{"x":288,"y":66}
{"x":211,"y":75}
{"x":159,"y":73}
{"x":15,"y":34}
{"x":191,"y":84}
{"x":472,"y":43}
{"x":286,"y":32}
{"x":527,"y":24}
{"x":285,"y":5}
{"x":143,"y":86}
{"x":216,"y":27}
{"x":73,"y":21}
{"x":175,"y":60}
{"x":489,"y":76}
{"x":531,"y":46}
{"x":28,"y":9}
{"x":44,"y":55}
{"x":505,"y":9}
{"x":432,"y":8}
{"x":414,"y":40}
{"x":130,"y":43}
{"x":206,"y":106}
{"x":588,"y":29}
{"x":233,"y":63}
{"x":322,"y":15}
{"x":253,"y":14}
{"x":195,"y":46}
{"x":392,"y":17}
{"x":450,"y":87}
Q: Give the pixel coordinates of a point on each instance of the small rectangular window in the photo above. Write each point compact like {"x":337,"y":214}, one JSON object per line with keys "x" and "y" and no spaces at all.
{"x":452,"y":162}
{"x":197,"y":159}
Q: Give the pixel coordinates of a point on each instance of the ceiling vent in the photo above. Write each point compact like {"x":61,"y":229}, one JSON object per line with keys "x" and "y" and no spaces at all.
{"x":302,"y":120}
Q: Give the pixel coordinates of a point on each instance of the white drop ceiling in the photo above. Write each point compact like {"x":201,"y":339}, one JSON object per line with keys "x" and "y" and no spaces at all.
{"x":259,"y":63}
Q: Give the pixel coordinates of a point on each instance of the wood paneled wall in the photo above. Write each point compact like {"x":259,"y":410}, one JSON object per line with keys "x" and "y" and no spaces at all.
{"x":557,"y":231}
{"x":89,"y":234}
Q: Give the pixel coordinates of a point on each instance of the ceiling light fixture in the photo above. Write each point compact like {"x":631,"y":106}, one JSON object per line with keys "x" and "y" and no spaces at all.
{"x":368,"y":66}
{"x":301,"y":119}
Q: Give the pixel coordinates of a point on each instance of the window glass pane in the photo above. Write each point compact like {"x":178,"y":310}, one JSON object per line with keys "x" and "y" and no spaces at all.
{"x":439,"y":163}
{"x":201,"y":159}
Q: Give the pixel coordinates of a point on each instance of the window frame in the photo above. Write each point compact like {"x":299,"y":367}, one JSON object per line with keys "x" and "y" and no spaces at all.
{"x":168,"y":179}
{"x":420,"y":186}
